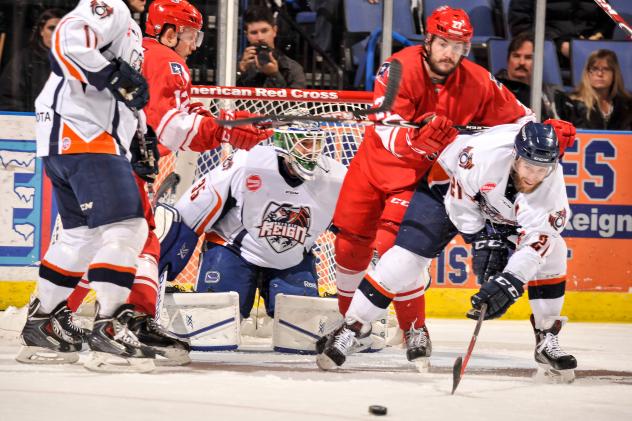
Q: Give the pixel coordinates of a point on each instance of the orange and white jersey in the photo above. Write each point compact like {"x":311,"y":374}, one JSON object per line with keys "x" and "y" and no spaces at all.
{"x":478,"y":167}
{"x":247,"y":205}
{"x":75,"y":111}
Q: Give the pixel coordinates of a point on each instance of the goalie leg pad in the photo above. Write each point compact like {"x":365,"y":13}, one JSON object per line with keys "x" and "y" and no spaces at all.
{"x":177,"y":240}
{"x":209,"y":321}
{"x":223,"y":270}
{"x":298,"y":280}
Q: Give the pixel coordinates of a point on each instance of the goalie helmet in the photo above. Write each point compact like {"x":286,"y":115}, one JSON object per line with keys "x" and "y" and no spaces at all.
{"x":179,"y":13}
{"x":301,"y":145}
{"x":537,"y":144}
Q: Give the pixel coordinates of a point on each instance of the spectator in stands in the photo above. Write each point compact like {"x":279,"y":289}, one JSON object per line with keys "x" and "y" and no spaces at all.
{"x":517,"y":78}
{"x":261,"y":64}
{"x":27,"y":71}
{"x":601,"y":101}
{"x":565,"y":19}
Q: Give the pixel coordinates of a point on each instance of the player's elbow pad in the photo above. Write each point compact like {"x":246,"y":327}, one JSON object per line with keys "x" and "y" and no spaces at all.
{"x":177,"y":240}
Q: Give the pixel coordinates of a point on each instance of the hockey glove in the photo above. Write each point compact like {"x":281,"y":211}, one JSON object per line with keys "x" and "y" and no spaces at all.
{"x":128,"y":85}
{"x":499,"y":292}
{"x":145,"y":155}
{"x":565,"y":133}
{"x":433,"y":137}
{"x":199,"y":108}
{"x":241,"y":137}
{"x":489,"y":255}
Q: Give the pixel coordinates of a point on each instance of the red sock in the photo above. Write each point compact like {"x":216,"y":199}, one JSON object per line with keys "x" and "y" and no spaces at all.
{"x":78,"y":295}
{"x":143,"y":297}
{"x":343,"y":304}
{"x":411,"y":311}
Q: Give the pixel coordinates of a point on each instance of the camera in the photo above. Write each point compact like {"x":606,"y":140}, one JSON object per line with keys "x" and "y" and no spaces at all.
{"x":263,"y":54}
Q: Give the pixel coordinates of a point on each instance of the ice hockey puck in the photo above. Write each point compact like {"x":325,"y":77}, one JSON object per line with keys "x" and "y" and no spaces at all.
{"x":377,"y":410}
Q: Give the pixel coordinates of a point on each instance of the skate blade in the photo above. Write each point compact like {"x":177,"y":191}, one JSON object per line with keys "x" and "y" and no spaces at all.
{"x":173,"y":357}
{"x":422,"y":364}
{"x":547,"y":374}
{"x":102,"y":362}
{"x":325,"y":363}
{"x":39,"y":355}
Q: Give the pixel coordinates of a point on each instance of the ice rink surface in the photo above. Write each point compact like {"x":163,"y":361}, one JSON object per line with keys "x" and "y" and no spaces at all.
{"x":499,"y":384}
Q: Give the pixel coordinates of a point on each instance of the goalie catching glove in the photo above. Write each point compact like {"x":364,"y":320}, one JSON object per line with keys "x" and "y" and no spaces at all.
{"x":128,"y":85}
{"x":499,"y":293}
{"x":241,"y":137}
{"x":489,"y":255}
{"x":145,"y":155}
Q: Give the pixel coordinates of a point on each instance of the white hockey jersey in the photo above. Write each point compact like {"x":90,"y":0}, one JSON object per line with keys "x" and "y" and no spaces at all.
{"x":75,"y":112}
{"x":479,"y":169}
{"x":250,"y":207}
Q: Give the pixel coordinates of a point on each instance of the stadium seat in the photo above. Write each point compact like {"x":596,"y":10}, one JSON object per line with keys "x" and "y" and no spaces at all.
{"x":581,"y":49}
{"x":497,"y":60}
{"x":480,"y":12}
{"x":361,"y":16}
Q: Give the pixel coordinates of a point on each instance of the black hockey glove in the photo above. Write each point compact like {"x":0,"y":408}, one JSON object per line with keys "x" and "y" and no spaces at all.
{"x":489,"y":255}
{"x":145,"y":155}
{"x":499,"y":292}
{"x":128,"y":85}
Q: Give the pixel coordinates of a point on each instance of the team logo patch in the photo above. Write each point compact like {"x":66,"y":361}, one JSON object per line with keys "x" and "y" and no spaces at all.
{"x":558,"y":220}
{"x":212,"y":277}
{"x":176,"y":68}
{"x":101,"y":9}
{"x":382,"y":73}
{"x":253,"y":183}
{"x":65,"y":143}
{"x":493,"y":79}
{"x":465,"y":158}
{"x":488,"y":187}
{"x":285,"y":226}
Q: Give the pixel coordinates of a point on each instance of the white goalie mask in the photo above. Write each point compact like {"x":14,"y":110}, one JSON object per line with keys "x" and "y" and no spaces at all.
{"x":301,"y":145}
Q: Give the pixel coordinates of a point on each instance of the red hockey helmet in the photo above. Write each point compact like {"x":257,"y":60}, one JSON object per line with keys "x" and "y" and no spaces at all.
{"x":449,"y":23}
{"x":179,"y":13}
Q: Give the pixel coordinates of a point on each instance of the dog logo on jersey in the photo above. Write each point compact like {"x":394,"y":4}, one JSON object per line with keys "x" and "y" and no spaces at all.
{"x":465,"y":158}
{"x":558,"y":220}
{"x":285,"y":226}
{"x":176,"y":68}
{"x":101,"y":9}
{"x":253,"y":183}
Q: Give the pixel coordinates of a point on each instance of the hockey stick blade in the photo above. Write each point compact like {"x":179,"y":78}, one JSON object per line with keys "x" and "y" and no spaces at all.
{"x":459,"y":365}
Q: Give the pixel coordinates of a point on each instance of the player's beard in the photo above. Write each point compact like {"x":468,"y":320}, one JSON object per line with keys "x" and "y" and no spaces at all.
{"x":433,"y":64}
{"x":521,"y":185}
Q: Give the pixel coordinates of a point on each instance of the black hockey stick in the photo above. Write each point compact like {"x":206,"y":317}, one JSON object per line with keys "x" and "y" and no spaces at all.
{"x":392,"y":87}
{"x":167,"y":186}
{"x":459,"y":365}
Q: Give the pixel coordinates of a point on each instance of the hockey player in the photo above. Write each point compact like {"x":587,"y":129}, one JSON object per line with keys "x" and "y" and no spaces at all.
{"x":262,"y":213}
{"x":439,"y":85}
{"x":507,"y":180}
{"x":173,"y":33}
{"x":87,"y":115}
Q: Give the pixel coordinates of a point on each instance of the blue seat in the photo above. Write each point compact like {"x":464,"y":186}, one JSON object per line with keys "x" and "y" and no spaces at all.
{"x":581,"y":49}
{"x":479,"y":11}
{"x":362,"y":16}
{"x":497,"y":60}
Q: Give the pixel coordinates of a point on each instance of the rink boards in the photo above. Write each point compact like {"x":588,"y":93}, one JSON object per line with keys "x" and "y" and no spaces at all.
{"x":598,"y":171}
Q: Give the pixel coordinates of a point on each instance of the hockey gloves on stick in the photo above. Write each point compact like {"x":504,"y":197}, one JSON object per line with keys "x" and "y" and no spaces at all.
{"x":241,"y":137}
{"x":199,"y":108}
{"x":499,"y":292}
{"x":128,"y":85}
{"x":433,"y":137}
{"x":145,"y":155}
{"x":564,"y":131}
{"x":489,"y":255}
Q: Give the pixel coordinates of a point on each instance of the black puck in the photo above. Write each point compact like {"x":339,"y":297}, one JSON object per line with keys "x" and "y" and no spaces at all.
{"x":377,"y":410}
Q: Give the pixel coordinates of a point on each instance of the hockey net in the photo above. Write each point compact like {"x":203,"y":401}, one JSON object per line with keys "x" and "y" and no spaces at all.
{"x":342,"y":144}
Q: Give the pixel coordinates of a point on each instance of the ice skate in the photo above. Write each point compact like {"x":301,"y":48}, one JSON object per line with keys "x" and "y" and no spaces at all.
{"x":555,"y":364}
{"x":51,"y":338}
{"x":338,"y":344}
{"x":150,"y":333}
{"x":115,"y":348}
{"x":418,"y":347}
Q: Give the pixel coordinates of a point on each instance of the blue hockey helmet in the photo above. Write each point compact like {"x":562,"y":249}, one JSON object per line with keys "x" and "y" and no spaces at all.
{"x":537,"y":144}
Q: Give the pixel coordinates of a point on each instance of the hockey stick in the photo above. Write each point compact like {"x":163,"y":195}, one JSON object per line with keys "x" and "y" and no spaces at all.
{"x":616,"y":17}
{"x":459,"y":365}
{"x":167,"y":186}
{"x":392,"y":87}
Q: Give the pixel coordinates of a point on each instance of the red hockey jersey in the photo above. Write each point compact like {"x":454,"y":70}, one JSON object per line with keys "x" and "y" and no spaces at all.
{"x":168,"y":112}
{"x":470,"y":95}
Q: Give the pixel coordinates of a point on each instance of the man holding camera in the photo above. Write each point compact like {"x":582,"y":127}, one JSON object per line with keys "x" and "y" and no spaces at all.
{"x":261,"y":65}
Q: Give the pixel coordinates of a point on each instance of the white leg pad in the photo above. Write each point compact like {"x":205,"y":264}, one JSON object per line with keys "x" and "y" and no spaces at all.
{"x":210,"y":320}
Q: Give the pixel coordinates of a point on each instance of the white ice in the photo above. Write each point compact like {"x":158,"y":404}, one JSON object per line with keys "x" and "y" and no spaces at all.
{"x":267,"y":386}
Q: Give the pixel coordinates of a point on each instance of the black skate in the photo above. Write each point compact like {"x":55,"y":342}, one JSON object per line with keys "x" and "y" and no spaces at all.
{"x":340,"y":343}
{"x":115,"y":348}
{"x":150,"y":333}
{"x":51,"y":338}
{"x":554,"y":362}
{"x":418,"y":347}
